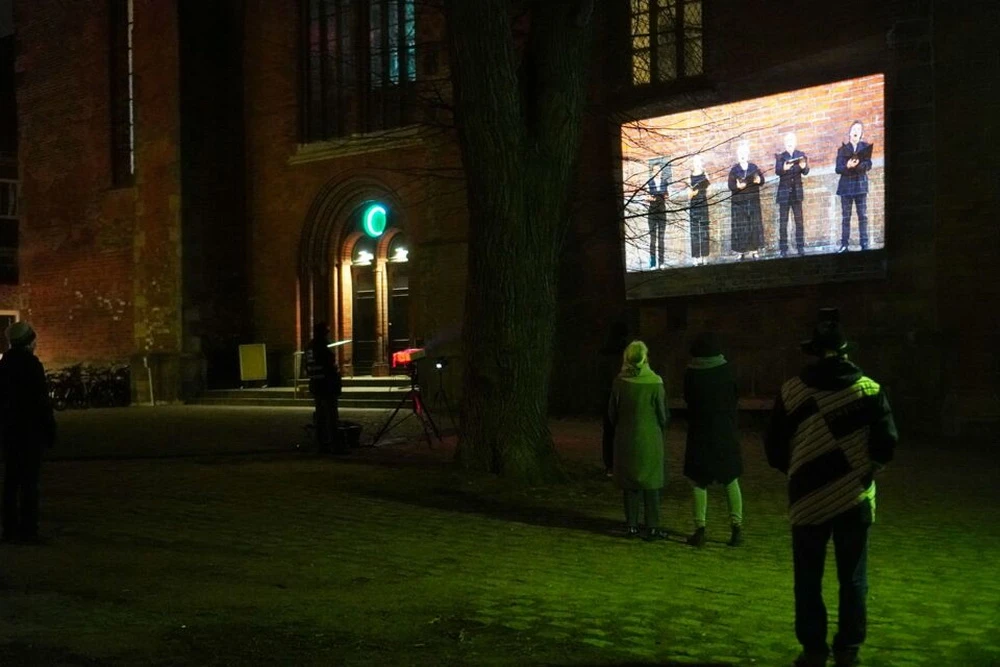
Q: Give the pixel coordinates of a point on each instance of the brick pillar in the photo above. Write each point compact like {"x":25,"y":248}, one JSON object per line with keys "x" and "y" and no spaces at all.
{"x":380,"y":367}
{"x":156,"y":244}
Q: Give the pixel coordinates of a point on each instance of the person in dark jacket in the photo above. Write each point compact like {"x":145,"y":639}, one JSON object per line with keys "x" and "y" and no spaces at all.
{"x":854,"y":161}
{"x":713,"y":454}
{"x":831,"y":431}
{"x":698,"y":211}
{"x":325,"y":385}
{"x":27,"y":428}
{"x":656,"y":214}
{"x":791,"y":166}
{"x":746,"y":222}
{"x":638,"y":414}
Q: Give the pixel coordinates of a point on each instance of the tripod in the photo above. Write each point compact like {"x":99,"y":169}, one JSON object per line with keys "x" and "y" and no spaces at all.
{"x":440,"y":396}
{"x":418,"y":409}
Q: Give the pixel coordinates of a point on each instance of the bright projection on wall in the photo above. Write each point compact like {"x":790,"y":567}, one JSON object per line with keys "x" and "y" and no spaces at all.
{"x":789,"y":175}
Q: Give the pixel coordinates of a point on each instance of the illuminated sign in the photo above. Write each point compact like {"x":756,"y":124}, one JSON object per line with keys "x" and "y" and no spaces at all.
{"x":374,"y":219}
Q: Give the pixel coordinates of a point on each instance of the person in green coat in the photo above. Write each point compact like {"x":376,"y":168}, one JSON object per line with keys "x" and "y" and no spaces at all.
{"x":712,"y":455}
{"x":638,"y":415}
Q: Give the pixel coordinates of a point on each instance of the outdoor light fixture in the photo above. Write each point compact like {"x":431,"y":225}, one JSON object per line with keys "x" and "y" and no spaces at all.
{"x":364,"y":258}
{"x":401,"y":255}
{"x":374,"y":220}
{"x":440,"y":363}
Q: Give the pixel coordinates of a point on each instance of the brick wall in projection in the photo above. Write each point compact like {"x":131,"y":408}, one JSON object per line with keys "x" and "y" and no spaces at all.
{"x":819,"y":116}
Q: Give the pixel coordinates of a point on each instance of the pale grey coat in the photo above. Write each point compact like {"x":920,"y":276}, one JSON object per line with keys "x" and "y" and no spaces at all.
{"x":638,"y":413}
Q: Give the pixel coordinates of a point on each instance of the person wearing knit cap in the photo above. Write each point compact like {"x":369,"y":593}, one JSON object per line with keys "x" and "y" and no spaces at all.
{"x":27,"y":427}
{"x":638,"y":415}
{"x":712,"y":455}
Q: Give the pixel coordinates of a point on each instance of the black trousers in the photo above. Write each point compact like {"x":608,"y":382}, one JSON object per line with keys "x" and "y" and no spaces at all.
{"x":20,"y":491}
{"x":657,"y":234}
{"x":861,"y":203}
{"x":650,"y":499}
{"x":850,"y":546}
{"x":796,"y":207}
{"x":327,"y":420}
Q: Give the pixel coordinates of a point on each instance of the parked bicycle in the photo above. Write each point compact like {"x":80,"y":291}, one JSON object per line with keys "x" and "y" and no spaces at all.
{"x":80,"y":386}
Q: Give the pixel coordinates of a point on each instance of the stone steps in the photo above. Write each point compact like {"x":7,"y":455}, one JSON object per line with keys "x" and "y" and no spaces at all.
{"x":382,"y":393}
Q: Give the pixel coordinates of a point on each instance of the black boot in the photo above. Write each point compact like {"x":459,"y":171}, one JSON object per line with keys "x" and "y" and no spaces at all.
{"x":736,"y":537}
{"x":697,"y":538}
{"x":655,"y":534}
{"x":631,"y":532}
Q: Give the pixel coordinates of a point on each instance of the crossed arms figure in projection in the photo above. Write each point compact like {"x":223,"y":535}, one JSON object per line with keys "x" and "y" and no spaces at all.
{"x":698,"y":210}
{"x":746,"y":223}
{"x":790,"y":166}
{"x":657,"y":212}
{"x":854,"y":161}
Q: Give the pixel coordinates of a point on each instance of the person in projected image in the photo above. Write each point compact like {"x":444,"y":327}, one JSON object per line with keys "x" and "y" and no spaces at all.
{"x":698,"y":210}
{"x":656,"y":186}
{"x":791,"y":165}
{"x":854,"y":161}
{"x":746,"y":223}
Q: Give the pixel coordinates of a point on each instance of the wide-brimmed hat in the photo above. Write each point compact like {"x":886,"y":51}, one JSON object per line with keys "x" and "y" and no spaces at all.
{"x":827,"y":335}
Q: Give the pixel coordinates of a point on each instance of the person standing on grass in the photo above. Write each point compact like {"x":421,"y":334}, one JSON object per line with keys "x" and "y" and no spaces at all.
{"x":638,"y":416}
{"x":27,"y":428}
{"x":831,"y":431}
{"x":713,"y":454}
{"x":325,"y":385}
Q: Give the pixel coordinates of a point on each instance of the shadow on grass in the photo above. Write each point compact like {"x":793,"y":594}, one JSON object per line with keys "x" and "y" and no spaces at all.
{"x":456,"y":500}
{"x":669,"y":663}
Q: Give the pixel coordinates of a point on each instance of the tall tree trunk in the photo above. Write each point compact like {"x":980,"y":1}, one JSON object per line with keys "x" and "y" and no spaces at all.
{"x":518,"y":109}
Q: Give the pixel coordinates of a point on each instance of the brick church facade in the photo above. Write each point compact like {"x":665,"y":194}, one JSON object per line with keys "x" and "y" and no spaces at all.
{"x":193,"y":176}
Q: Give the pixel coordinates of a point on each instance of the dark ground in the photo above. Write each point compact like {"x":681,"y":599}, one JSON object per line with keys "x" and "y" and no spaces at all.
{"x":203,"y":536}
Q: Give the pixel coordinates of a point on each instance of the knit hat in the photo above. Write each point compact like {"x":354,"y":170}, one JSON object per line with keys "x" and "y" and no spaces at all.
{"x":20,"y":334}
{"x":705,"y":345}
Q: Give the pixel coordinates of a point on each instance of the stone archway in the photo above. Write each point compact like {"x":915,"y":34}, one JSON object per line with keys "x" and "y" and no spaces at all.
{"x":325,"y":283}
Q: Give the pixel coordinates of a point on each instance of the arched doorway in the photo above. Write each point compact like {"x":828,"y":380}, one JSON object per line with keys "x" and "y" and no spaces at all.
{"x":355,"y":275}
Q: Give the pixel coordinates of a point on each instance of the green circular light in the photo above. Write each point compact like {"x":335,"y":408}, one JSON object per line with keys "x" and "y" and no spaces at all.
{"x":374,"y":220}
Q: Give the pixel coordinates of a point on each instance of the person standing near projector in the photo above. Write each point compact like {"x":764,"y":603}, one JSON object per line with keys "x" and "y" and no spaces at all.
{"x":325,"y":385}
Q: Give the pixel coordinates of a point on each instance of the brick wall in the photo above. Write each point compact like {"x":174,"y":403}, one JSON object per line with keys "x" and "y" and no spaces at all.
{"x":894,"y":318}
{"x":967,"y":236}
{"x":100,"y":265}
{"x":76,"y":233}
{"x":290,"y":185}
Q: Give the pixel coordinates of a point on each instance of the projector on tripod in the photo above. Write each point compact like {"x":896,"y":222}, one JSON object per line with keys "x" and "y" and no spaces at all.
{"x":407,"y":358}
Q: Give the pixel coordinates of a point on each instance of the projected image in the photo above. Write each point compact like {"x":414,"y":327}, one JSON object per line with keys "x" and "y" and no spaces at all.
{"x":788,"y":175}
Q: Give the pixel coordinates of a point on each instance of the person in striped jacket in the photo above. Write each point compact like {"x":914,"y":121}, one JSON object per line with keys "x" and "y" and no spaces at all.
{"x":831,"y":430}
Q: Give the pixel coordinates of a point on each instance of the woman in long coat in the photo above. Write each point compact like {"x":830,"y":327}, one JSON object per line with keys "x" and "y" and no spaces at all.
{"x":637,"y":412}
{"x":746,"y":221}
{"x":698,"y":211}
{"x":713,"y":454}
